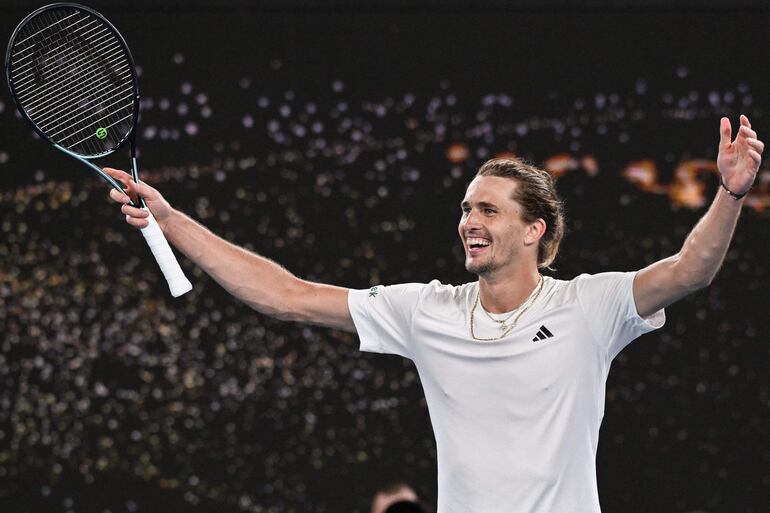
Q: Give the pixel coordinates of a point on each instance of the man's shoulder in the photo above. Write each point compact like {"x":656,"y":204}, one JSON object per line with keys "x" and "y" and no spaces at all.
{"x":558,"y":292}
{"x":587,"y":288}
{"x":434,"y":290}
{"x":437,"y":287}
{"x":602,"y":279}
{"x":437,"y":293}
{"x":584,"y":278}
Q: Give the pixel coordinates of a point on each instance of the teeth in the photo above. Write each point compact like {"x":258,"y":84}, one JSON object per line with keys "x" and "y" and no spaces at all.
{"x":477,"y":242}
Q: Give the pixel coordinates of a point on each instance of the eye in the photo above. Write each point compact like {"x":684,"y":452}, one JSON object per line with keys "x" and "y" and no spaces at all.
{"x":489,"y":211}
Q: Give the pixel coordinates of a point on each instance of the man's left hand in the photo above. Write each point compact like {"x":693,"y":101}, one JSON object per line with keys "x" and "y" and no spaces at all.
{"x":738,"y":161}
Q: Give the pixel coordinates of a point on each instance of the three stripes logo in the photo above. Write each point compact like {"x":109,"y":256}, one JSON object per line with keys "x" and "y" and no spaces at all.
{"x":542,"y":334}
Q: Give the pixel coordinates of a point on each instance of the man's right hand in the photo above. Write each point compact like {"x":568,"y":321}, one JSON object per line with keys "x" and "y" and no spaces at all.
{"x":137,"y":217}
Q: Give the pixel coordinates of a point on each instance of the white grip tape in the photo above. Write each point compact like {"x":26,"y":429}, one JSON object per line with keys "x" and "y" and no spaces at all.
{"x":177,"y":281}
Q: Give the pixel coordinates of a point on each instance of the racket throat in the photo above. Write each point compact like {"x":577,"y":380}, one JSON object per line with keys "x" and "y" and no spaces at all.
{"x":135,"y":171}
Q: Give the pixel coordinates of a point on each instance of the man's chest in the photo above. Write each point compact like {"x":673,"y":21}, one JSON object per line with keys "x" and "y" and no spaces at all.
{"x":548,"y":353}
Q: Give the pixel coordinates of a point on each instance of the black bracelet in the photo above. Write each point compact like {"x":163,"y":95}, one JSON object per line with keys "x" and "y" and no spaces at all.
{"x":731,"y":193}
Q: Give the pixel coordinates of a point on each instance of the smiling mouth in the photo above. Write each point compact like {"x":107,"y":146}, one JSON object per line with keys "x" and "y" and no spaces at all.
{"x":477,"y":250}
{"x":477,"y":245}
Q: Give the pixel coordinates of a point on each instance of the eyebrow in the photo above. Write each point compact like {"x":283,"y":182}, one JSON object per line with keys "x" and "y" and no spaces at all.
{"x":482,"y":204}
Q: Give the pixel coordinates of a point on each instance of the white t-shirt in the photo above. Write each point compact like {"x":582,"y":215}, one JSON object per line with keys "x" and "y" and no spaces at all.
{"x":517,"y":420}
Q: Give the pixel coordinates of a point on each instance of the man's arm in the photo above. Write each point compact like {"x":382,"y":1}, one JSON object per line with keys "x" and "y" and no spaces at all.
{"x":703,"y":252}
{"x":257,"y":281}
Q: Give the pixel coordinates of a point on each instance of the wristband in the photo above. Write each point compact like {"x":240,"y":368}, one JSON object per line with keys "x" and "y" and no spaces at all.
{"x":731,"y":193}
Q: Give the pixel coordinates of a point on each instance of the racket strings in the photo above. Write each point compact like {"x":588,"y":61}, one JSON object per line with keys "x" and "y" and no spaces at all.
{"x":35,"y":34}
{"x":45,"y":100}
{"x":55,"y":126}
{"x":65,"y":67}
{"x":73,"y":78}
{"x":47,"y":106}
{"x":26,"y":79}
{"x":31,"y":68}
{"x":52,"y":118}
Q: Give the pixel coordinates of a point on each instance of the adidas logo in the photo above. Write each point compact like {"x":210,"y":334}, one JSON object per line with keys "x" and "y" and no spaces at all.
{"x":542,"y":334}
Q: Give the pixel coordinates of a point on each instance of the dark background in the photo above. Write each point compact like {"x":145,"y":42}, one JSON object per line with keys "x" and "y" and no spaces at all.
{"x":319,"y":136}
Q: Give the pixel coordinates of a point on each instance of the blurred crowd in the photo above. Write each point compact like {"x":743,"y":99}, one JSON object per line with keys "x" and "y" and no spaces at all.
{"x":116,"y":397}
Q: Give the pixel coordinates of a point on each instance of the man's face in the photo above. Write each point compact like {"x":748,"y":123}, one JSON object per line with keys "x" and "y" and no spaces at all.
{"x":491,"y":228}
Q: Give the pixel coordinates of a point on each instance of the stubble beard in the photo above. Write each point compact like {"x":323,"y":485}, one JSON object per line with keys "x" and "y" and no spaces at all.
{"x":481,"y":269}
{"x":486,"y":268}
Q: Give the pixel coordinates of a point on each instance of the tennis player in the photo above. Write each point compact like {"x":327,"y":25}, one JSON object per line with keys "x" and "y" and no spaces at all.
{"x":513,"y":365}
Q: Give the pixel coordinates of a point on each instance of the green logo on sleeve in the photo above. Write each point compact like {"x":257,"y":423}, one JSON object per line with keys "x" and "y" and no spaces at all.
{"x":374,"y":291}
{"x":101,"y":133}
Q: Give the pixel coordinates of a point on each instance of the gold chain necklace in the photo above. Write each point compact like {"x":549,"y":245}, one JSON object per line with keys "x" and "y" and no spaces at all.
{"x":502,"y":322}
{"x":506,"y":329}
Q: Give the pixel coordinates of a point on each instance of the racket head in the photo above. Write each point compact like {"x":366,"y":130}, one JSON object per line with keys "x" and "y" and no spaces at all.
{"x":72,"y":77}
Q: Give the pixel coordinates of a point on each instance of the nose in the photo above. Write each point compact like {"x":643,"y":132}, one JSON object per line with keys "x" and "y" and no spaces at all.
{"x":470,"y":219}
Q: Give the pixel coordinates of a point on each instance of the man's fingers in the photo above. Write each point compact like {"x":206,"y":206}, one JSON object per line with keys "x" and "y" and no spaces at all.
{"x":756,"y":157}
{"x":118,"y":175}
{"x":747,"y":132}
{"x":143,"y":189}
{"x":136,"y":222}
{"x":134,"y":212}
{"x":756,"y":144}
{"x":136,"y":217}
{"x":132,"y":192}
{"x":124,"y":179}
{"x":725,"y":132}
{"x":119,"y":196}
{"x":745,"y":121}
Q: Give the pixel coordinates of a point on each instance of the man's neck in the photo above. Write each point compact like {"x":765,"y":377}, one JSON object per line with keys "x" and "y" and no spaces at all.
{"x":500,"y":294}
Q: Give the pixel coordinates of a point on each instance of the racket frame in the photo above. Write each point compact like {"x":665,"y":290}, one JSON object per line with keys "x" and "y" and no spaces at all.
{"x":130,"y":136}
{"x":164,"y":256}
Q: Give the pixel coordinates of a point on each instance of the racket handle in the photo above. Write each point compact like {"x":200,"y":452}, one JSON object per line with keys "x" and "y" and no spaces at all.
{"x":177,"y":281}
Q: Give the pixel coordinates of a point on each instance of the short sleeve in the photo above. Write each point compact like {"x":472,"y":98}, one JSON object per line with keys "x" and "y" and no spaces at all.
{"x":607,"y":300}
{"x":383,"y":317}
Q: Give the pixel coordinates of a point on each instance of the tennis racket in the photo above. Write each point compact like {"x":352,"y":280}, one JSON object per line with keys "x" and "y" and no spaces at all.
{"x":73,"y":79}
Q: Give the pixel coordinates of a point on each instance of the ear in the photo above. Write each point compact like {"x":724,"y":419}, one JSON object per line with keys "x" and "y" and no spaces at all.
{"x":535,"y":232}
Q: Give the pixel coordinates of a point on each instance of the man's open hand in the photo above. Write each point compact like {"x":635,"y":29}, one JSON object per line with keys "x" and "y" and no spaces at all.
{"x":738,"y":161}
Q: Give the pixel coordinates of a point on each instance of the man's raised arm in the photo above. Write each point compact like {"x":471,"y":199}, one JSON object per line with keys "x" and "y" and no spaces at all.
{"x":703,"y":252}
{"x":257,"y":281}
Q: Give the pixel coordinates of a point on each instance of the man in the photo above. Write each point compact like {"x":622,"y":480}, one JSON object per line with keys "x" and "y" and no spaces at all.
{"x":513,"y":365}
